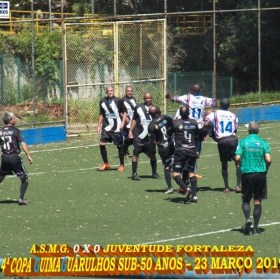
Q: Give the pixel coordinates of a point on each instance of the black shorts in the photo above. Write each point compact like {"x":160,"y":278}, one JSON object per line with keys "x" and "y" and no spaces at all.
{"x":254,"y":186}
{"x":227,"y":148}
{"x":167,"y":156}
{"x":12,"y":163}
{"x":141,"y":146}
{"x":182,"y":161}
{"x":109,"y":137}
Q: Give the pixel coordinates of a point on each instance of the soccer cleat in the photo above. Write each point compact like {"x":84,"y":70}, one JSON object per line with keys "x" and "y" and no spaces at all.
{"x":187,"y":195}
{"x":169,"y":191}
{"x":247,"y":227}
{"x":193,"y":200}
{"x":238,"y":189}
{"x":226,"y":190}
{"x":155,"y":176}
{"x":121,"y":168}
{"x":22,"y":202}
{"x":135,"y":177}
{"x":198,"y":176}
{"x":256,"y":231}
{"x":104,"y":166}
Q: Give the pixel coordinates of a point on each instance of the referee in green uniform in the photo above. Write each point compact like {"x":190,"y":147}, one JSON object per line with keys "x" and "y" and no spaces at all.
{"x":254,"y":157}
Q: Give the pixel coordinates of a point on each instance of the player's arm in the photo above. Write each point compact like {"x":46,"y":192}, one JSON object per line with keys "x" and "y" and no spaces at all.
{"x":26,"y":151}
{"x":268,"y":160}
{"x":123,"y":115}
{"x":100,"y":119}
{"x":130,"y":133}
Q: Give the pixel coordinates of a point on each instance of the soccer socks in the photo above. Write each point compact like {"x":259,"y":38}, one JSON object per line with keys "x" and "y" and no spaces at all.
{"x":154,"y":166}
{"x":193,"y":185}
{"x":257,"y":214}
{"x":134,"y":167}
{"x":167,"y":177}
{"x":246,"y":210}
{"x":238,"y":176}
{"x":225,"y":177}
{"x":23,"y":189}
{"x":180,"y":182}
{"x":103,"y":152}
{"x":121,"y":155}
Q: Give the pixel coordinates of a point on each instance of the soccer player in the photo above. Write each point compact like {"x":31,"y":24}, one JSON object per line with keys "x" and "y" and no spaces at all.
{"x":225,"y":125}
{"x":10,"y":138}
{"x":112,"y":115}
{"x":196,"y":103}
{"x":129,"y":103}
{"x":253,"y":153}
{"x":185,"y":155}
{"x":139,"y":132}
{"x":160,"y":130}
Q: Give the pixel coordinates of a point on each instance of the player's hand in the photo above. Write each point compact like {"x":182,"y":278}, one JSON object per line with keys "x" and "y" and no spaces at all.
{"x":121,"y":126}
{"x":30,"y":160}
{"x":170,"y":96}
{"x":130,"y":135}
{"x":98,"y":129}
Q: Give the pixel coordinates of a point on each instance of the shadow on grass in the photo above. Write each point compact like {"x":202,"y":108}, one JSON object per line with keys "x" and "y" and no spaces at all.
{"x":144,"y":177}
{"x":8,"y":201}
{"x":251,"y":232}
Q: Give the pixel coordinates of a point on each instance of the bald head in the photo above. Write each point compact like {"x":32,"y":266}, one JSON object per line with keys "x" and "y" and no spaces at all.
{"x":154,"y":111}
{"x":195,"y":88}
{"x":184,"y":112}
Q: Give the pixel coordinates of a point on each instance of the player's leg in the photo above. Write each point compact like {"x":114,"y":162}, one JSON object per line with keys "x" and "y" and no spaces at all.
{"x":178,"y":165}
{"x":260,"y":193}
{"x":224,"y":158}
{"x":167,"y":162}
{"x":104,"y":138}
{"x":118,"y":140}
{"x":19,"y":169}
{"x":137,"y":149}
{"x":247,"y":194}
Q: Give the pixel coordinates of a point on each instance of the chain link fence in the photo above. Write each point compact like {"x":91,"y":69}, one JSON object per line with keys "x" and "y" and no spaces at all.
{"x":236,"y":42}
{"x":118,"y":54}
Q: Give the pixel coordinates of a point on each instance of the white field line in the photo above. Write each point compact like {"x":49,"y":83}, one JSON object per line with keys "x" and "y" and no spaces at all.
{"x":205,"y":233}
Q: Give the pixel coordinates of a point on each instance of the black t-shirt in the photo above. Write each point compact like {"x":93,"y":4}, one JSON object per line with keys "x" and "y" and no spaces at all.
{"x":111,"y":110}
{"x":160,"y":129}
{"x":143,"y":119}
{"x":10,"y":137}
{"x":185,"y":133}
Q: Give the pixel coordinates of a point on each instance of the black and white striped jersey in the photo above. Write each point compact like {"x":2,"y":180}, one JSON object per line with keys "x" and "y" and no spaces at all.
{"x":143,"y":119}
{"x":111,"y":110}
{"x":130,"y":104}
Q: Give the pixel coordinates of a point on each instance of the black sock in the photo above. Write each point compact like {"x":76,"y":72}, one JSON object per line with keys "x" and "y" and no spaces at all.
{"x":121,"y":155}
{"x":180,"y":182}
{"x":193,"y":185}
{"x":246,"y":210}
{"x":154,"y":166}
{"x":103,"y":152}
{"x":167,"y":177}
{"x":23,"y":189}
{"x":225,"y":177}
{"x":257,"y":214}
{"x":134,"y":167}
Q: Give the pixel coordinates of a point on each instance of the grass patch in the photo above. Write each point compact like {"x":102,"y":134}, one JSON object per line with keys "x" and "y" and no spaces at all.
{"x":73,"y":203}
